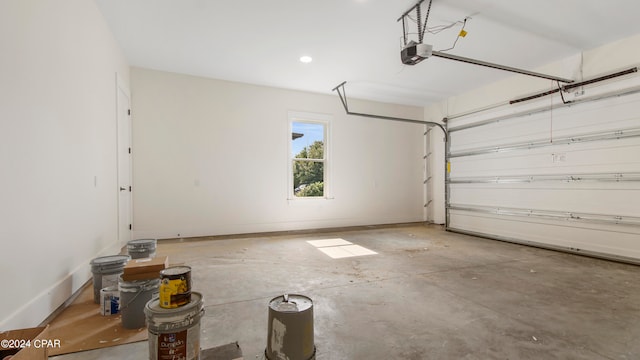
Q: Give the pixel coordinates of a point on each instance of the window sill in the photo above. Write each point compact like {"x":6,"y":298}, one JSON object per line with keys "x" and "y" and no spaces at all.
{"x":309,"y":198}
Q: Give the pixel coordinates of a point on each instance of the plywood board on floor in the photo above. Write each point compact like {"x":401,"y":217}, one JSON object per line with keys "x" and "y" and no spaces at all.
{"x":80,"y":327}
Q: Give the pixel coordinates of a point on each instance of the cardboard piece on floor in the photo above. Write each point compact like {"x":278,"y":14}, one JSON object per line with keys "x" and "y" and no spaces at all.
{"x":230,"y":351}
{"x":27,"y":344}
{"x":145,"y":268}
{"x":80,"y":327}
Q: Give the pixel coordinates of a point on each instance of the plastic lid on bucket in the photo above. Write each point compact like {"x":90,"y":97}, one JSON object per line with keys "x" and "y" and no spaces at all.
{"x":175,"y":270}
{"x":153,"y":306}
{"x":291,"y":303}
{"x":163,"y":319}
{"x":141,"y":244}
{"x":111,"y":261}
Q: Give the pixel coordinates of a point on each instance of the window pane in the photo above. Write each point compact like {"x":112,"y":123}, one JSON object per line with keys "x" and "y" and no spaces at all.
{"x":308,"y":178}
{"x":307,"y":140}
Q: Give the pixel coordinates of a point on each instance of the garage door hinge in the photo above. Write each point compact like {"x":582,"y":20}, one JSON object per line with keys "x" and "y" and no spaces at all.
{"x":130,"y":227}
{"x":128,"y":111}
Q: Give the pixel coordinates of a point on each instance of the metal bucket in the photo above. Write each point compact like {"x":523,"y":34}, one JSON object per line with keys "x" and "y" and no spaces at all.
{"x":142,"y":248}
{"x":106,"y":270}
{"x":290,"y":335}
{"x":175,"y":286}
{"x":174,"y":333}
{"x":109,"y":300}
{"x":134,"y":295}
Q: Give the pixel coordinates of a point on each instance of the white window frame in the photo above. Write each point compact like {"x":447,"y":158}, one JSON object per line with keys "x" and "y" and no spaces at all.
{"x":310,"y":118}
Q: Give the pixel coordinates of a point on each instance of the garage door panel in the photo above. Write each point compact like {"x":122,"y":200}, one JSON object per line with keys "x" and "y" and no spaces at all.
{"x":615,"y":156}
{"x":622,"y":201}
{"x":618,"y":241}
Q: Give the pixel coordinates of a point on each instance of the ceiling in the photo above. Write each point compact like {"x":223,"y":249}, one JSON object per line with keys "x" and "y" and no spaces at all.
{"x":359,"y":41}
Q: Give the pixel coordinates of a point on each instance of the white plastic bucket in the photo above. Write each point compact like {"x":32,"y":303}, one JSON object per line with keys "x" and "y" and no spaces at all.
{"x":109,"y":301}
{"x":175,"y":333}
{"x":106,"y":270}
{"x":142,"y":248}
{"x":134,"y":295}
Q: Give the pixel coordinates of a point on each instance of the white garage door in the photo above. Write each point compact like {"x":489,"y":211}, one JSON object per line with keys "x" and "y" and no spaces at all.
{"x":549,"y":174}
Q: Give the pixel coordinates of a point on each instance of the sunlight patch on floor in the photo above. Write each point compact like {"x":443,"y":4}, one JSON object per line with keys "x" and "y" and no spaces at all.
{"x":340,"y":248}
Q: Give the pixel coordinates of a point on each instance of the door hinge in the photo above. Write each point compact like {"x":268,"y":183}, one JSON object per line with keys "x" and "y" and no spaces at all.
{"x":128,"y":111}
{"x":130,"y":227}
{"x":129,"y":188}
{"x":129,"y":150}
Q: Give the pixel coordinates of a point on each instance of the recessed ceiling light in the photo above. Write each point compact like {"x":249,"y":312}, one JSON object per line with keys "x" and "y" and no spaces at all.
{"x":306,"y":59}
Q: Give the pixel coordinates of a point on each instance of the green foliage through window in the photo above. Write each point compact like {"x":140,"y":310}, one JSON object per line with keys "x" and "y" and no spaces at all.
{"x":308,"y":171}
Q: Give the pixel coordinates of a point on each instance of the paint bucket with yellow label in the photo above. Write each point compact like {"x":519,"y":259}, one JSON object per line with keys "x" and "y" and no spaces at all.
{"x":175,"y":286}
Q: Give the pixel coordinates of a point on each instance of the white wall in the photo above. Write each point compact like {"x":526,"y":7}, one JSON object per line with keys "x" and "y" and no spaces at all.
{"x":58,"y":204}
{"x":210,"y":157}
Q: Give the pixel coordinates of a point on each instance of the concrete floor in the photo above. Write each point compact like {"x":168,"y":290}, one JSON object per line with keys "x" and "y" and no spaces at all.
{"x":428,"y":294}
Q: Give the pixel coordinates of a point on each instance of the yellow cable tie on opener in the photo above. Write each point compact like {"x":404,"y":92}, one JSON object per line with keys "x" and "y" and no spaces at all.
{"x":462,"y":33}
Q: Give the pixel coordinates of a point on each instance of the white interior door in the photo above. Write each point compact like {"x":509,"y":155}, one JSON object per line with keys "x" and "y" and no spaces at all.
{"x":125,"y":215}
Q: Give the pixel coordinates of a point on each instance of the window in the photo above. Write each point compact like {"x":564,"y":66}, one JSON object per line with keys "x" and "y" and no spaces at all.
{"x":308,"y":164}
